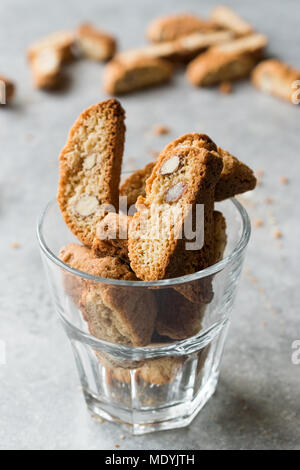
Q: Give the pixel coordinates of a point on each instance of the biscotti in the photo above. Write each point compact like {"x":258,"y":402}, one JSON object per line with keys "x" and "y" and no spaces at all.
{"x":134,"y":186}
{"x":61,"y":41}
{"x":94,"y":43}
{"x":124,"y":315}
{"x":177,"y":317}
{"x":45,"y":65}
{"x":124,"y":75}
{"x":7,"y":90}
{"x":216,"y":66}
{"x":168,"y":28}
{"x":90,"y":167}
{"x":277,"y":78}
{"x":179,"y":182}
{"x":226,"y":18}
{"x":179,"y":50}
{"x":236,"y":177}
{"x":112,"y":236}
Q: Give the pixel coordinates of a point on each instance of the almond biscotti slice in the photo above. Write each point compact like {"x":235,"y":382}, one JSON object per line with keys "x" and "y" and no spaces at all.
{"x":177,"y":317}
{"x":277,"y":78}
{"x":7,"y":90}
{"x":225,"y":17}
{"x":180,"y":181}
{"x":170,"y":27}
{"x":112,"y":237}
{"x":124,"y":315}
{"x":121,"y":315}
{"x":61,"y":41}
{"x":46,"y":68}
{"x":124,"y":75}
{"x":90,"y":167}
{"x":94,"y":43}
{"x":236,"y":177}
{"x":134,"y":186}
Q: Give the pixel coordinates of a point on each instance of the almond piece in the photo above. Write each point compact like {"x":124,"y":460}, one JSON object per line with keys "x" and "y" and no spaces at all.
{"x":89,"y":162}
{"x":86,"y":205}
{"x":175,"y":192}
{"x":171,"y":165}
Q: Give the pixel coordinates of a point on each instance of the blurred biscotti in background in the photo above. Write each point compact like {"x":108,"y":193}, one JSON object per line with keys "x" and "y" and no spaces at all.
{"x":94,"y":43}
{"x":7,"y":90}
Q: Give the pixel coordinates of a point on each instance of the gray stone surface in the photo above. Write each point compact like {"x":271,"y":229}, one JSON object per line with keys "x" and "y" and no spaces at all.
{"x":257,"y":401}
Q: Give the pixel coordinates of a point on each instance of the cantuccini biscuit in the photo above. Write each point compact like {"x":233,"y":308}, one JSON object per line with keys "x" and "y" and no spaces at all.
{"x":236,"y":177}
{"x":122,"y":314}
{"x":7,"y":90}
{"x":134,"y":185}
{"x":214,"y":66}
{"x":179,"y":182}
{"x":94,"y":43}
{"x":46,"y":68}
{"x":177,"y":317}
{"x":277,"y":78}
{"x":179,"y":50}
{"x":226,"y":18}
{"x":90,"y":167}
{"x":168,"y":28}
{"x":61,"y":41}
{"x":112,"y":236}
{"x":160,"y":371}
{"x":124,"y":75}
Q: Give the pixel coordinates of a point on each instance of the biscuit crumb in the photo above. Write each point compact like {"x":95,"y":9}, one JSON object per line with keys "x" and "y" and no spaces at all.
{"x":260,"y":172}
{"x":268,"y":200}
{"x":117,"y":446}
{"x":225,"y":88}
{"x":263,"y":323}
{"x":258,"y":223}
{"x":100,"y":420}
{"x":15,"y":245}
{"x":161,"y":130}
{"x":284,"y":180}
{"x":277,"y":234}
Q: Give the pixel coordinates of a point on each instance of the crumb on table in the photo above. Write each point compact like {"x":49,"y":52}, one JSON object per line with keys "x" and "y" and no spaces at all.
{"x":161,"y":129}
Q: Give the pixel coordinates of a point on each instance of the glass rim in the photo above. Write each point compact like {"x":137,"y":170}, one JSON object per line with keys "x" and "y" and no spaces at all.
{"x":209,"y":271}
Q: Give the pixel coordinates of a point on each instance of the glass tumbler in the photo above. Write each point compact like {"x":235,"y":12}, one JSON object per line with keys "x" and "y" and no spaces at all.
{"x":163,"y":385}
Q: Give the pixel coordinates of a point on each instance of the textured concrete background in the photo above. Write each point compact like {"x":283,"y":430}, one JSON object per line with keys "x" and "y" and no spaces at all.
{"x":257,"y":401}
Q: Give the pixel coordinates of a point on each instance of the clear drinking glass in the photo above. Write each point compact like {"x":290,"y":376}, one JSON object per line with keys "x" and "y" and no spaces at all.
{"x":163,"y":385}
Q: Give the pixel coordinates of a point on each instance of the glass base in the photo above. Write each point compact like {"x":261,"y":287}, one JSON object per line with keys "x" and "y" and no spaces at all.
{"x":149,"y":420}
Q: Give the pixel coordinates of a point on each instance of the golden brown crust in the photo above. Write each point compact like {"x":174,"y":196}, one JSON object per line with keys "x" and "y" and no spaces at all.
{"x":226,"y":18}
{"x":8,"y":91}
{"x":112,"y":237}
{"x":94,"y":43}
{"x":134,"y":186}
{"x":171,"y":27}
{"x":276,"y":78}
{"x":61,"y":41}
{"x":123,"y":76}
{"x":195,"y":177}
{"x":90,"y":167}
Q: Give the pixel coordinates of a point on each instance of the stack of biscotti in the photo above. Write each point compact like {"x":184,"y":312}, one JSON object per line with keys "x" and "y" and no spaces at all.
{"x":224,"y":47}
{"x":140,"y":245}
